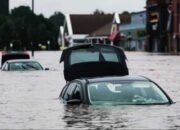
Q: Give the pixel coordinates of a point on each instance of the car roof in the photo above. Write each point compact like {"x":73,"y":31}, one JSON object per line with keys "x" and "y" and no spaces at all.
{"x":115,"y":78}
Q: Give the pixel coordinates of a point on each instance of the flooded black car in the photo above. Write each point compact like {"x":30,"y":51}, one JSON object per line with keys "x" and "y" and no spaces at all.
{"x":121,"y":90}
{"x":98,"y":74}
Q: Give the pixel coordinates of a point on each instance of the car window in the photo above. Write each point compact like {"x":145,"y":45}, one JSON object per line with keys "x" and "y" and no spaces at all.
{"x":77,"y":93}
{"x":34,"y":65}
{"x":83,"y":55}
{"x":5,"y":66}
{"x":15,"y":66}
{"x":69,"y":91}
{"x":109,"y":54}
{"x":63,"y":91}
{"x":133,"y":92}
{"x":94,"y":55}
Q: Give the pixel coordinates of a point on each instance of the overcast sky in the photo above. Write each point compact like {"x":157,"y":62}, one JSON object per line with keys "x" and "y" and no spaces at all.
{"x":48,"y":7}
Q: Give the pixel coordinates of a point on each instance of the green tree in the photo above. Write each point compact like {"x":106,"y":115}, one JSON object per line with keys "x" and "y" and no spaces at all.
{"x":22,"y":27}
{"x":98,"y":12}
{"x":6,"y":28}
{"x":24,"y":20}
{"x":125,"y":17}
{"x":57,"y":19}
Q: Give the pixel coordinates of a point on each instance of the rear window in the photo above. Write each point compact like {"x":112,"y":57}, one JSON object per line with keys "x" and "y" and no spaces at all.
{"x":109,"y":54}
{"x":92,"y":55}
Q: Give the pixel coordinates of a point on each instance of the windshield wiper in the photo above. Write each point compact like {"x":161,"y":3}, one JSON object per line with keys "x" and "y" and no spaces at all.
{"x":31,"y":66}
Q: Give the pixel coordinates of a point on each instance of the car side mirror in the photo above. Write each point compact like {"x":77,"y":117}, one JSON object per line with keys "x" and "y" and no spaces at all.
{"x":74,"y":102}
{"x":46,"y":69}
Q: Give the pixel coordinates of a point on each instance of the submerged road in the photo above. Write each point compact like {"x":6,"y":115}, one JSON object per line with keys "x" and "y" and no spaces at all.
{"x":29,"y":100}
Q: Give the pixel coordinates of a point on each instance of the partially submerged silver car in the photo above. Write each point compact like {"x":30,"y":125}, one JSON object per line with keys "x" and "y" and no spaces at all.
{"x":21,"y":65}
{"x":19,"y":61}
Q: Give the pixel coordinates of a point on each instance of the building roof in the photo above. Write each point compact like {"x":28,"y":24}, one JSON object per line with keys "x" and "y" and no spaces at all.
{"x":87,"y":24}
{"x":102,"y":31}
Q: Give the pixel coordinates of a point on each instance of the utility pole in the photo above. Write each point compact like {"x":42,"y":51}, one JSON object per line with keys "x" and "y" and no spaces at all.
{"x":32,"y":44}
{"x":33,"y":6}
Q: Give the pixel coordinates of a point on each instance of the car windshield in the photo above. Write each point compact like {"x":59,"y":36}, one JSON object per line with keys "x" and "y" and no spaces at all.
{"x":126,"y":93}
{"x":21,"y":66}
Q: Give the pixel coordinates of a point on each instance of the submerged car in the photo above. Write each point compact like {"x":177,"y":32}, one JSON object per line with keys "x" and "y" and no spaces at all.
{"x":121,"y":90}
{"x":21,"y":65}
{"x":98,"y":74}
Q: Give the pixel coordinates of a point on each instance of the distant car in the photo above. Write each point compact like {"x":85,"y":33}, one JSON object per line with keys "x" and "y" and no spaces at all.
{"x":13,"y":55}
{"x":121,"y":90}
{"x":21,"y":65}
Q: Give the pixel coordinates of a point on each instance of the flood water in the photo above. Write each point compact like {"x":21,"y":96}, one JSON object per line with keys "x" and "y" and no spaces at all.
{"x":29,"y":100}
